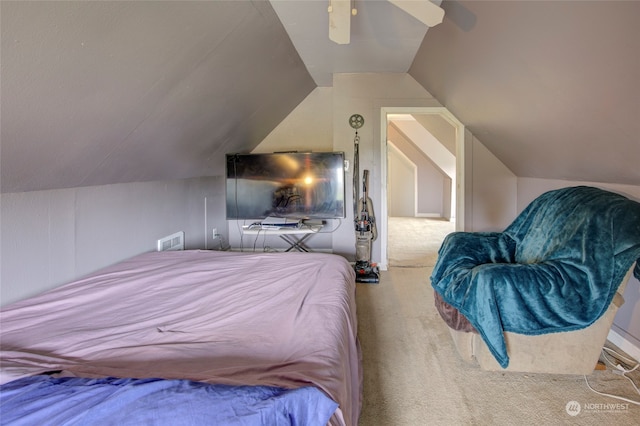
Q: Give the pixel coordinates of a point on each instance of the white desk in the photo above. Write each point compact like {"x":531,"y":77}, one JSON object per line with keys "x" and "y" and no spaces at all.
{"x":295,"y":237}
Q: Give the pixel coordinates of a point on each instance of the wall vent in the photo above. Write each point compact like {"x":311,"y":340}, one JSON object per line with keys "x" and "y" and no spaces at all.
{"x":172,"y":242}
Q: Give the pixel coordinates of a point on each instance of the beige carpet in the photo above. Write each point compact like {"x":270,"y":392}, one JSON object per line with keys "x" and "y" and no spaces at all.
{"x":413,"y":375}
{"x":414,"y":242}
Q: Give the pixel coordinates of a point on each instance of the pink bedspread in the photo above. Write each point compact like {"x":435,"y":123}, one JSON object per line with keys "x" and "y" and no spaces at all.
{"x":279,"y":319}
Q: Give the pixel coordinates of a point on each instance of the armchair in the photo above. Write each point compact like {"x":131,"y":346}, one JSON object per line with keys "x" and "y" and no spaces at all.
{"x":538,"y":296}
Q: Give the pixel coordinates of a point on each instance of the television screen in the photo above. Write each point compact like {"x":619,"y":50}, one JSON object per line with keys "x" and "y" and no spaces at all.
{"x":297,"y":185}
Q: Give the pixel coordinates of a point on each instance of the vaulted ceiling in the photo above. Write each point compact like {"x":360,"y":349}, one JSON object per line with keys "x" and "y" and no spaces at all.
{"x":552,"y":88}
{"x":108,"y":92}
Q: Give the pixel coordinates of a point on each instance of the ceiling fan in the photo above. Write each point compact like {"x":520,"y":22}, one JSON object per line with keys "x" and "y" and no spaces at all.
{"x":340,"y":12}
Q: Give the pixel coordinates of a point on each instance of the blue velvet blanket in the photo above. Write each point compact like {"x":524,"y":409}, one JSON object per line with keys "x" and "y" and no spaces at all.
{"x":555,"y":268}
{"x":42,"y":400}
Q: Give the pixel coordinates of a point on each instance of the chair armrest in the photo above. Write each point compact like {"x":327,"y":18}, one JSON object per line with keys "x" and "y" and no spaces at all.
{"x":618,"y":300}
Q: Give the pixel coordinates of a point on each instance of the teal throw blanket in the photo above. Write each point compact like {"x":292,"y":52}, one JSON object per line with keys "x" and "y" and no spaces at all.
{"x":555,"y":268}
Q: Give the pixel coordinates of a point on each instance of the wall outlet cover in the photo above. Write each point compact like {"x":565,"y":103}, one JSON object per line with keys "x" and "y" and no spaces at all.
{"x":172,"y":242}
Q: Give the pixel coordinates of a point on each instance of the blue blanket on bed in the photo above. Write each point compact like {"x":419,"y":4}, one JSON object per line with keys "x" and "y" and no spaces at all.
{"x":41,"y":400}
{"x":555,"y":268}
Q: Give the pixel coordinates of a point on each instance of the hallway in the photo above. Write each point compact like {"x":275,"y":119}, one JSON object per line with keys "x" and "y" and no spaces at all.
{"x":413,"y":242}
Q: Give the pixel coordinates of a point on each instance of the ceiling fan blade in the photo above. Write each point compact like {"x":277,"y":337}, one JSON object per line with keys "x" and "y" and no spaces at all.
{"x":340,"y":21}
{"x":423,"y":10}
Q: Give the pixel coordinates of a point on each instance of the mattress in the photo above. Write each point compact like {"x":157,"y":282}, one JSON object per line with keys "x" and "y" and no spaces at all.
{"x":285,"y":320}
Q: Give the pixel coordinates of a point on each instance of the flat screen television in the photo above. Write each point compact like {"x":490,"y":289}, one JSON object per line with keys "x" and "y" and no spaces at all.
{"x":300,"y":185}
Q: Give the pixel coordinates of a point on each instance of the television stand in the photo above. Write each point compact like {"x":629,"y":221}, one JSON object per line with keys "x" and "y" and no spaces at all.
{"x":294,"y":236}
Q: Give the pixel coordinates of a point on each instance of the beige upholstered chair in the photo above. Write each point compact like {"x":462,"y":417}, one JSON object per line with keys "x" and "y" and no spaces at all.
{"x":570,"y":352}
{"x":541,"y":295}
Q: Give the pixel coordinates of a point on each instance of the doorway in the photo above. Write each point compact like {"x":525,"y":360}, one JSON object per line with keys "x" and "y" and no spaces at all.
{"x":434,"y":135}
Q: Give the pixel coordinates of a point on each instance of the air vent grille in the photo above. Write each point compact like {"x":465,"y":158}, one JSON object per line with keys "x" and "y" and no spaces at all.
{"x":172,"y":242}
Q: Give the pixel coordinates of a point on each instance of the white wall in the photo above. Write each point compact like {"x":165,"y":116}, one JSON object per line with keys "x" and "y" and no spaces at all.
{"x":401,"y":180}
{"x":309,"y":127}
{"x":627,"y":320}
{"x":530,"y":188}
{"x":432,"y":201}
{"x":52,"y":237}
{"x":492,"y":190}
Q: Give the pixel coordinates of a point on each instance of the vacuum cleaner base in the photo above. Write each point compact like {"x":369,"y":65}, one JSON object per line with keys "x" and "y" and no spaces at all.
{"x":367,"y":274}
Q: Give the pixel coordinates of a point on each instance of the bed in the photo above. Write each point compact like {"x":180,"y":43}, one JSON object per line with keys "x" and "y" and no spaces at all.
{"x":269,"y":338}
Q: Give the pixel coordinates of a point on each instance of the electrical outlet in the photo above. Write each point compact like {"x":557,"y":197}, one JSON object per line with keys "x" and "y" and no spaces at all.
{"x":214,"y":233}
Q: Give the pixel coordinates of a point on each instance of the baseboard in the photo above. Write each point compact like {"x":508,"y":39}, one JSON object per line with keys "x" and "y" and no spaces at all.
{"x":628,"y":347}
{"x":434,"y":216}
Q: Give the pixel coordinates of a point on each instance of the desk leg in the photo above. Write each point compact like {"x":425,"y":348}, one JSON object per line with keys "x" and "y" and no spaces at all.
{"x":296,"y":243}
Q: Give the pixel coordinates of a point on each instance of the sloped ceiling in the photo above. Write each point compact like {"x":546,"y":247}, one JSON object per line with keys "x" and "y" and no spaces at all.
{"x":552,"y":88}
{"x":384,"y":38}
{"x":108,"y":92}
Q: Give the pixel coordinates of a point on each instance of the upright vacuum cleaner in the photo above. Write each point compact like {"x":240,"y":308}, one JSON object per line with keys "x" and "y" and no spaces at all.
{"x":364,"y":219}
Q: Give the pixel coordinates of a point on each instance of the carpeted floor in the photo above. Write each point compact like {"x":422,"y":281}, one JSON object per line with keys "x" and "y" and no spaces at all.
{"x":413,"y":375}
{"x":414,"y":242}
